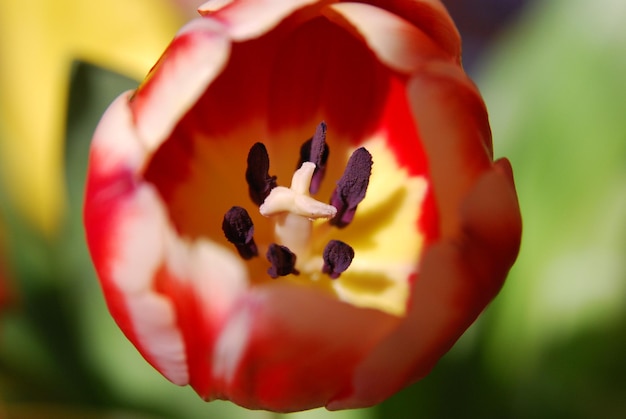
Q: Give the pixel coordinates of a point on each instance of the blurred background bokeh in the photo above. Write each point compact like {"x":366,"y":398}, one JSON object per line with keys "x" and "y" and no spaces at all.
{"x":552,"y":345}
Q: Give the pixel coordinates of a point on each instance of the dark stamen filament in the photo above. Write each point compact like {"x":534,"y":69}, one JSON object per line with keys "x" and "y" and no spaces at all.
{"x":239,"y":230}
{"x":260,"y":183}
{"x":337,"y":258}
{"x":316,"y":151}
{"x":351,"y":188}
{"x":282,"y":259}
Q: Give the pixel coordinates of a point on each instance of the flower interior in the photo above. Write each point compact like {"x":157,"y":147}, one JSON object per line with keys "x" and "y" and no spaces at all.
{"x":343,"y":206}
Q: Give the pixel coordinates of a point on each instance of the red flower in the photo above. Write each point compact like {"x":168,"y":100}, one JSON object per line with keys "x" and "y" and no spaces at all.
{"x":210,"y":263}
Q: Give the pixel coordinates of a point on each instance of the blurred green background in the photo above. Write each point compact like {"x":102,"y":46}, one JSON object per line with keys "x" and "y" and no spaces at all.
{"x":552,"y":345}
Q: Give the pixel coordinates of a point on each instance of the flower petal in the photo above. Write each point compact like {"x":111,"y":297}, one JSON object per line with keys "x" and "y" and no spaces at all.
{"x":397,"y":42}
{"x":127,"y":269}
{"x":120,"y":214}
{"x":203,"y":280}
{"x":290,"y":355}
{"x":247,"y":19}
{"x":392,"y":208}
{"x":454,"y":128}
{"x":457,"y":280}
{"x":492,"y":223}
{"x":194,"y":58}
{"x":431,"y":17}
{"x":169,"y":296}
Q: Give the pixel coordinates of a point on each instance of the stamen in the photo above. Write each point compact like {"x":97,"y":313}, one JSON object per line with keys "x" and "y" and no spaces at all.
{"x":260,"y":183}
{"x":239,"y":230}
{"x":293,"y":210}
{"x":351,"y":188}
{"x":337,"y":258}
{"x":315,"y":150}
{"x":282,"y":259}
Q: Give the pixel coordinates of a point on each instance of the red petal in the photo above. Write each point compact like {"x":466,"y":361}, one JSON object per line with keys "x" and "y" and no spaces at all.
{"x":480,"y":235}
{"x":458,"y":279}
{"x":454,"y":128}
{"x":283,"y":353}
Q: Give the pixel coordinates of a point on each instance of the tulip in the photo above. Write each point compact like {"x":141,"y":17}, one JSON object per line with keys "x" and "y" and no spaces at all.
{"x":299,"y":205}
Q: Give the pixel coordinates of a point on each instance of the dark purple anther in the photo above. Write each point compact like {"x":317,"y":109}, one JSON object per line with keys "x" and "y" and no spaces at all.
{"x":352,"y":187}
{"x":239,"y":230}
{"x":282,"y":259}
{"x":260,"y":183}
{"x":337,"y":258}
{"x":316,"y":151}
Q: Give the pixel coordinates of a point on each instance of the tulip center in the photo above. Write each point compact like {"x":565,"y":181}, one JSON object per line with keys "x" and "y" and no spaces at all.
{"x":293,"y":210}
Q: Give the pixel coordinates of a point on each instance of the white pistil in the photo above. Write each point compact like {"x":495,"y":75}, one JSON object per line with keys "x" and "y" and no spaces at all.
{"x":293,"y":210}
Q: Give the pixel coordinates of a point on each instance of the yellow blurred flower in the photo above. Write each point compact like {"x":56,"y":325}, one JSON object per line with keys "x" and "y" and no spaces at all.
{"x":39,"y":40}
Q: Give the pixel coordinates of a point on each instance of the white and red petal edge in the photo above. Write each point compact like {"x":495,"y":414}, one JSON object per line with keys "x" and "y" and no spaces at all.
{"x":247,"y":19}
{"x":134,"y":264}
{"x":119,"y":215}
{"x":129,"y":233}
{"x":193,"y":60}
{"x":396,"y":42}
{"x":431,"y":17}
